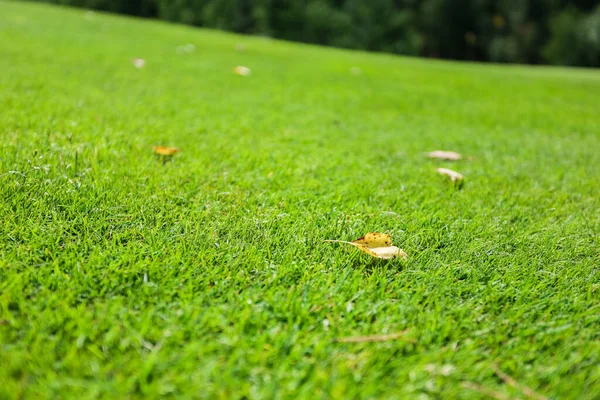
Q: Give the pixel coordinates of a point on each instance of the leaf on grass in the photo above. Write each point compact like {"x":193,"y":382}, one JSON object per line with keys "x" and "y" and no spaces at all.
{"x":444,"y":155}
{"x":374,"y":239}
{"x":241,"y":70}
{"x":165,"y":151}
{"x":378,"y":245}
{"x":453,"y":175}
{"x":138,"y":62}
{"x":186,"y":48}
{"x":387,"y":253}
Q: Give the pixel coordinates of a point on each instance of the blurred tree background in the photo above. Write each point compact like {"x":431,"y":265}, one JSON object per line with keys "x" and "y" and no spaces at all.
{"x":561,"y":32}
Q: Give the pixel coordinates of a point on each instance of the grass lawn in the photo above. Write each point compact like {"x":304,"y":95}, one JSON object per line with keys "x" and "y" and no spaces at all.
{"x":208,"y":276}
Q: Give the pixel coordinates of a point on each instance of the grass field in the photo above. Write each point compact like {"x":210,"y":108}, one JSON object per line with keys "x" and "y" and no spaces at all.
{"x":208,"y":276}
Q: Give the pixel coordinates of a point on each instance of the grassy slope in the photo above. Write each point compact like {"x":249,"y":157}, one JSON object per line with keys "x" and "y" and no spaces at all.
{"x":208,"y":276}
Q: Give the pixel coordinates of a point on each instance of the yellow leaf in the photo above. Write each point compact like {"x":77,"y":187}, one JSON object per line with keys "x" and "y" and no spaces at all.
{"x":498,"y":21}
{"x":241,"y":70}
{"x":374,"y":239}
{"x":165,"y":150}
{"x":378,"y":245}
{"x":444,"y":155}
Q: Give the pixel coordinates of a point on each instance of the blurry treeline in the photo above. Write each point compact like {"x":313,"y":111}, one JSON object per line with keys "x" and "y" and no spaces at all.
{"x":564,"y":32}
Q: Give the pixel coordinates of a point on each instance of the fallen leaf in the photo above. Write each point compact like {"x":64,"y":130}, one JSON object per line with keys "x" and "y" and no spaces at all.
{"x":165,"y":151}
{"x":444,"y":155}
{"x":386,"y":253}
{"x":453,"y":175}
{"x":378,"y":245}
{"x":186,"y":48}
{"x":242,"y":71}
{"x":138,"y":62}
{"x":374,"y":239}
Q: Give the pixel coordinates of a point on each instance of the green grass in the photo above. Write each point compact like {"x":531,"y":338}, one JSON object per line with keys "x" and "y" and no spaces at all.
{"x":208,"y":277}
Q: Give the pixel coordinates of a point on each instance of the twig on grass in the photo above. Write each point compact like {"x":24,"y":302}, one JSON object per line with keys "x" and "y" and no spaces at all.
{"x":510,"y":381}
{"x":484,"y":390}
{"x":375,"y":338}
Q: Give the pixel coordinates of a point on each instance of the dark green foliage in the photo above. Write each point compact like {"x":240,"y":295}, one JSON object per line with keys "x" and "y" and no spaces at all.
{"x":565,"y":32}
{"x":575,"y":38}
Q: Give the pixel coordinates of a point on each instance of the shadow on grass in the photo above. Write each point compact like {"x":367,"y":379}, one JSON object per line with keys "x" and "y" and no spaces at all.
{"x":376,"y":264}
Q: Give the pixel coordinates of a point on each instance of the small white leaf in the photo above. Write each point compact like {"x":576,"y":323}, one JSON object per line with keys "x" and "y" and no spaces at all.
{"x":387,"y":253}
{"x":444,"y":155}
{"x":453,"y":175}
{"x":138,"y":62}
